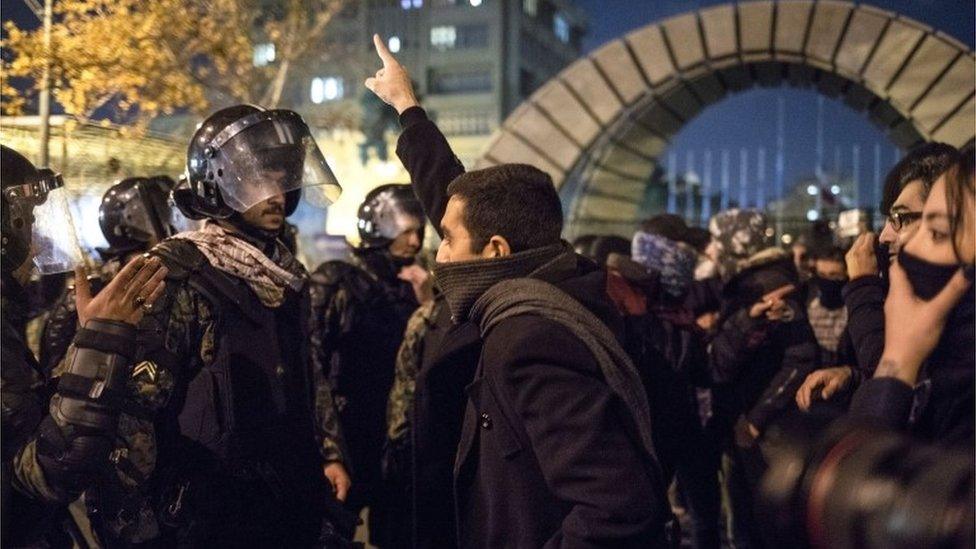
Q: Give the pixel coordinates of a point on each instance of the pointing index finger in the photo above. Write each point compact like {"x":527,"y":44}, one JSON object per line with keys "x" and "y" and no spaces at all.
{"x":383,"y":52}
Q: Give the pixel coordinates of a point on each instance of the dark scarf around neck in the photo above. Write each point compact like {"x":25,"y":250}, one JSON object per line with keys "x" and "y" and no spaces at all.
{"x":463,"y":282}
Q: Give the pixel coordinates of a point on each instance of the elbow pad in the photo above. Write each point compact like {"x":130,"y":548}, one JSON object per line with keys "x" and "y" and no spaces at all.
{"x":92,"y":388}
{"x":77,"y":437}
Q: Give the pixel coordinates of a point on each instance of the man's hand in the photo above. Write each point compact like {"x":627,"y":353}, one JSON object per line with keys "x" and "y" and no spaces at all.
{"x":419,"y":279}
{"x":861,"y":260}
{"x":746,"y":433}
{"x":772,"y":304}
{"x":913,"y":326}
{"x":338,"y":478}
{"x":127,"y":297}
{"x":827,"y":381}
{"x":391,"y":83}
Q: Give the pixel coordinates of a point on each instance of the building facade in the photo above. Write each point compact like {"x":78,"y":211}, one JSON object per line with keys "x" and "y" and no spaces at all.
{"x":473,"y":61}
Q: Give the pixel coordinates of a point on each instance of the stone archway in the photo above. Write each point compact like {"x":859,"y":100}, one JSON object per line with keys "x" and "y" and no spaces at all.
{"x":599,"y":126}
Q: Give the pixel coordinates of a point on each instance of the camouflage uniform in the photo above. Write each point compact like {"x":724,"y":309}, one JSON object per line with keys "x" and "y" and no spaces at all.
{"x":361,"y":311}
{"x":26,"y":522}
{"x":405,"y":376}
{"x":128,"y":504}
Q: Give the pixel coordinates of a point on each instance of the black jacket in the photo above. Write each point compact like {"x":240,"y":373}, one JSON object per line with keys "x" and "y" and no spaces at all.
{"x":360,"y":312}
{"x":763,"y":364}
{"x":940,"y":409}
{"x":543,"y":457}
{"x":24,"y":404}
{"x":864,"y":298}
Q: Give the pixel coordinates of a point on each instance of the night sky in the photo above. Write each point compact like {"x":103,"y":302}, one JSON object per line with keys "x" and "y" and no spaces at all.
{"x":749,"y":119}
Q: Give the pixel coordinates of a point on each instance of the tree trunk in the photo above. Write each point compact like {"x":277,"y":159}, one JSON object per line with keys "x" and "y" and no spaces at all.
{"x":273,"y":96}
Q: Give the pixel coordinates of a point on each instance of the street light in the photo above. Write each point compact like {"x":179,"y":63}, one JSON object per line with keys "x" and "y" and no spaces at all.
{"x":812,"y":215}
{"x":835,"y":189}
{"x":812,"y":190}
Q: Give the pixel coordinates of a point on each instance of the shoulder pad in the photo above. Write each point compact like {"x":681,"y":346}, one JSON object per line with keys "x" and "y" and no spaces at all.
{"x":180,"y":256}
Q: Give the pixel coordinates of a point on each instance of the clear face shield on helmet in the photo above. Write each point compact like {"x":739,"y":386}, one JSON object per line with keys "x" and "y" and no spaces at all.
{"x":392,"y":216}
{"x":44,"y":205}
{"x":266,"y":154}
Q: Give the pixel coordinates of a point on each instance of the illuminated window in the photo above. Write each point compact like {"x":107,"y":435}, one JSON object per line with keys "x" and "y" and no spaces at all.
{"x":443,"y":38}
{"x":463,"y":37}
{"x":561,"y":27}
{"x":414,"y":4}
{"x":264,"y":54}
{"x":328,"y":88}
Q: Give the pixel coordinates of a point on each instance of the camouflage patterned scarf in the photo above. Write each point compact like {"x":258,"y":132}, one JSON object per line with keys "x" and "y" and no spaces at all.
{"x":233,"y":255}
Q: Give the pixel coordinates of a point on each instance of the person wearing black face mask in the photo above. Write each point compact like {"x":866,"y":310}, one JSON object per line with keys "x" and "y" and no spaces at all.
{"x":826,"y":311}
{"x":924,"y":381}
{"x":361,"y":308}
{"x":905,"y":189}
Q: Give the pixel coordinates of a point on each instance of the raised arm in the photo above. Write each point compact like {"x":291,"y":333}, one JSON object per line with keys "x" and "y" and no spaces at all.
{"x":421,"y":147}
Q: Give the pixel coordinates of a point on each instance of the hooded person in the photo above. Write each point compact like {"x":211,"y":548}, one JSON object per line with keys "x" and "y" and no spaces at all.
{"x":762,"y":353}
{"x":552,"y":388}
{"x":56,"y":437}
{"x":361,"y":309}
{"x":219,"y":442}
{"x":674,"y":364}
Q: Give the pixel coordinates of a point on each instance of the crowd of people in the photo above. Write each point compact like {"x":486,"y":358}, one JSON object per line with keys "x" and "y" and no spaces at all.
{"x":203,"y":388}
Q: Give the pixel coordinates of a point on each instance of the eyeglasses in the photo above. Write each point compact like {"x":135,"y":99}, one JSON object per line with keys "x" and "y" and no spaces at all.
{"x":900,"y":219}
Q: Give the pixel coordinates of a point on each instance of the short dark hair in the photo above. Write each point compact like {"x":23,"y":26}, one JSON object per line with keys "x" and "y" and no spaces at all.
{"x":515,"y":201}
{"x":603,"y":246}
{"x":830,"y":253}
{"x":670,"y":226}
{"x":924,"y":163}
{"x":699,"y":238}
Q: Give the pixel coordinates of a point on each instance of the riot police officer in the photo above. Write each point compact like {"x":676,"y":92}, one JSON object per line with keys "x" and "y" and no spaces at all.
{"x":134,"y":216}
{"x":217,"y":445}
{"x":49,"y":459}
{"x":361,"y":309}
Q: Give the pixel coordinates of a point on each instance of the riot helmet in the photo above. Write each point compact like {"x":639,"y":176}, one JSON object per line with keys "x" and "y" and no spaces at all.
{"x":35,"y":218}
{"x":242,"y":155}
{"x":387,"y":212}
{"x":135,"y":213}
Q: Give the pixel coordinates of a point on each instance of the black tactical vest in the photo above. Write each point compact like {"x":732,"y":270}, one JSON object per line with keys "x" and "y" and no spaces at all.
{"x":257,"y":394}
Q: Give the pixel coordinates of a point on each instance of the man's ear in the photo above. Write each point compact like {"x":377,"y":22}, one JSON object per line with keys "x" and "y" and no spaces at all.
{"x":497,"y":246}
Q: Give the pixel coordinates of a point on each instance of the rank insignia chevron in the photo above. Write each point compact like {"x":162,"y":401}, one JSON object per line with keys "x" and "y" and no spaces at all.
{"x":145,"y":367}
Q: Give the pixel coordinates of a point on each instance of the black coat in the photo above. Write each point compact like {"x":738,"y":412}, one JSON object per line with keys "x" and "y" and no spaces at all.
{"x":24,"y":521}
{"x":544,"y":456}
{"x":944,"y":400}
{"x":761,"y":364}
{"x":864,"y":298}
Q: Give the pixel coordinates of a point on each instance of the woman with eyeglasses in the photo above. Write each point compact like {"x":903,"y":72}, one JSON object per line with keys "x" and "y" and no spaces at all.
{"x":906,"y":188}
